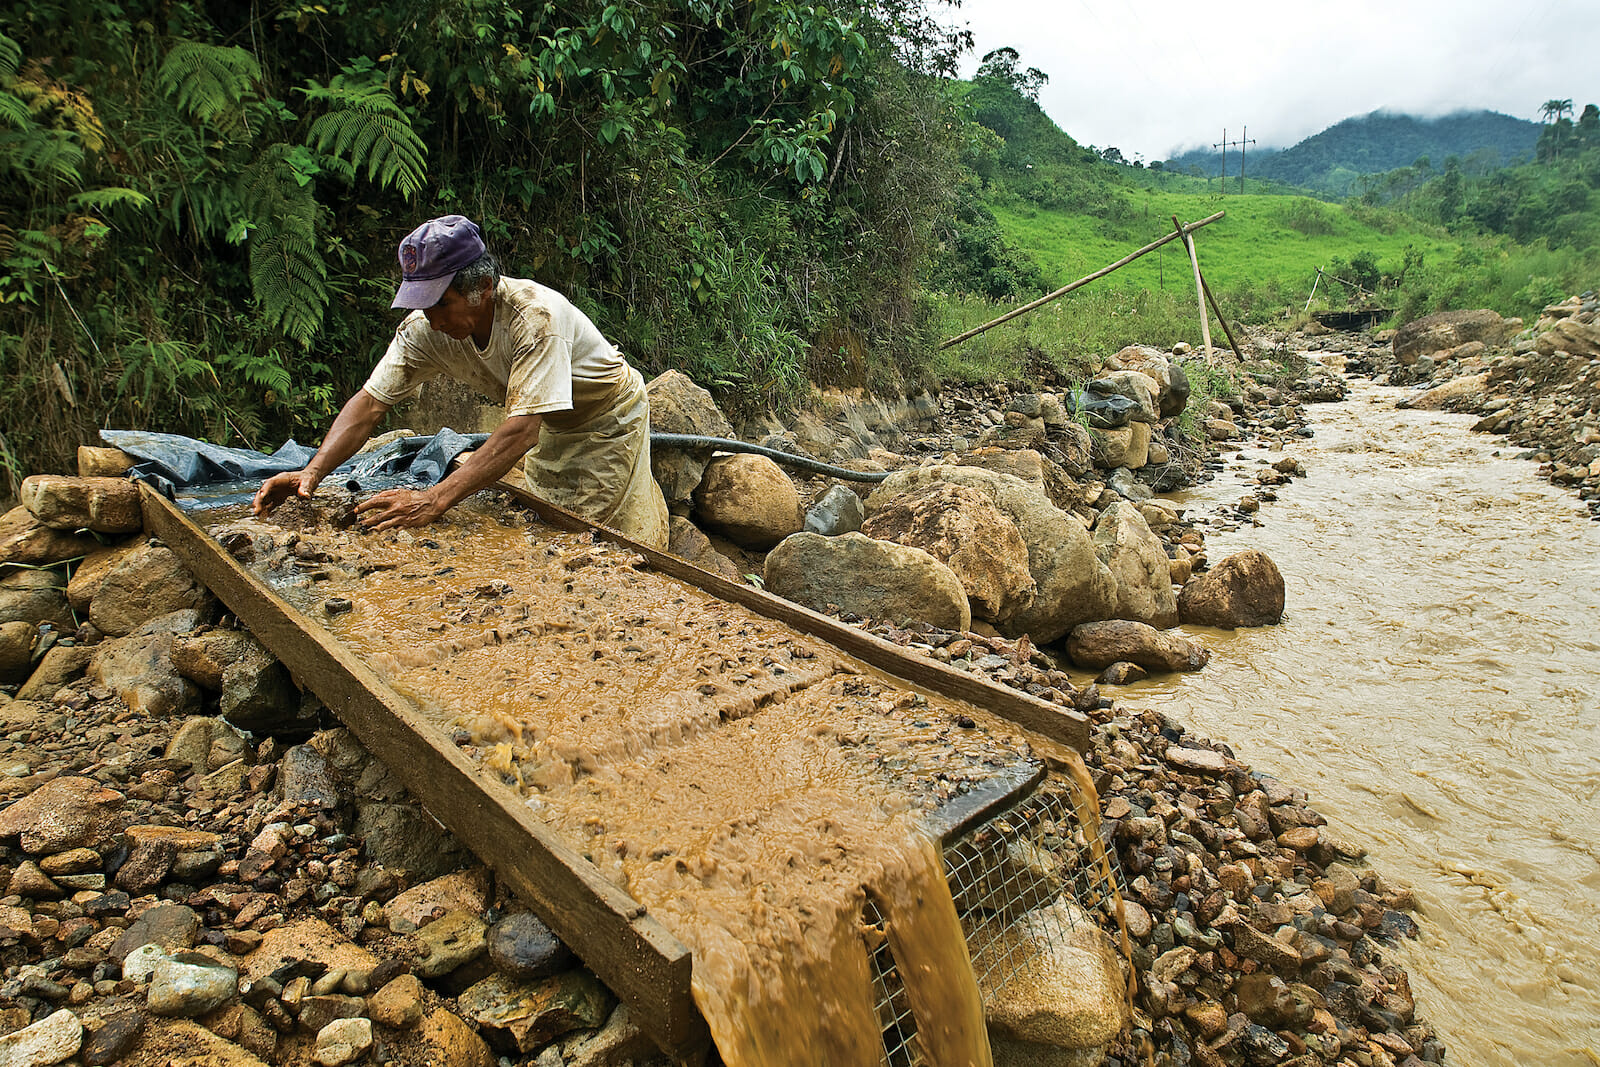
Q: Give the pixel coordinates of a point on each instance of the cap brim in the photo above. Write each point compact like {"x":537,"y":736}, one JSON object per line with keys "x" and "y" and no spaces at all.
{"x":422,"y":293}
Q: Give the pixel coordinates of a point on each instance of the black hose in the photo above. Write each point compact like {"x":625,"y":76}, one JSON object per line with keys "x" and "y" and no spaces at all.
{"x":724,"y":444}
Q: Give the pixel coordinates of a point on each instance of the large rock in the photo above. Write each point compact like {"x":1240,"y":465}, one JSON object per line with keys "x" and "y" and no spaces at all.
{"x":678,"y":405}
{"x":1066,"y":994}
{"x":1071,"y":584}
{"x":139,"y":667}
{"x":1171,"y":381}
{"x":1126,"y":446}
{"x":17,"y":639}
{"x":257,"y":693}
{"x":1570,"y":336}
{"x":1031,"y":467}
{"x":1134,"y":556}
{"x":1458,"y":394}
{"x":150,"y":581}
{"x":962,"y":528}
{"x":874,"y":579}
{"x":1447,"y":329}
{"x":35,"y":596}
{"x":104,"y":505}
{"x":749,"y":500}
{"x":97,"y":462}
{"x":26,"y":540}
{"x":687,"y":541}
{"x":1097,"y":645}
{"x":60,"y":665}
{"x":65,"y":813}
{"x":1143,"y":390}
{"x":89,"y":575}
{"x":1245,"y":589}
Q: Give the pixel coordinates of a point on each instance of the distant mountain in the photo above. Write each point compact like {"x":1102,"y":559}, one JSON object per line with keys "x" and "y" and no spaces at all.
{"x":1331,"y":161}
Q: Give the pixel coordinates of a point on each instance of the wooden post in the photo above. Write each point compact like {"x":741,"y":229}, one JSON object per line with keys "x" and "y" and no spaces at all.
{"x":1183,"y":231}
{"x":1237,"y":351}
{"x":1199,"y":289}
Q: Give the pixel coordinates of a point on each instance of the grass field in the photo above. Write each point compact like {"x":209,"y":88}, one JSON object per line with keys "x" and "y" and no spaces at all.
{"x":1263,"y":242}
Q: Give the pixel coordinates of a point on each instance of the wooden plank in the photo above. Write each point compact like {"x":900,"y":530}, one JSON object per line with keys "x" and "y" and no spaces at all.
{"x":632,"y":953}
{"x":1065,"y":726}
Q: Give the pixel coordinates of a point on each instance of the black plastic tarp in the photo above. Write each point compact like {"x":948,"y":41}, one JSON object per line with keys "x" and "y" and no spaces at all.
{"x":198,"y":474}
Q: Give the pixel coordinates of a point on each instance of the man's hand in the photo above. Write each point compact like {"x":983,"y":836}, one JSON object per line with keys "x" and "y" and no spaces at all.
{"x":278,"y":488}
{"x":396,"y":509}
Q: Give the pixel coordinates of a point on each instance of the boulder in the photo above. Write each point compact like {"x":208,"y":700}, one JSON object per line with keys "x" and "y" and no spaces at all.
{"x":89,"y":575}
{"x":35,"y":596}
{"x":17,"y":639}
{"x":838,"y":511}
{"x":1097,"y":645}
{"x":1071,"y":584}
{"x":687,"y":541}
{"x":1138,"y":563}
{"x":1031,"y":467}
{"x":749,"y":500}
{"x":257,"y":693}
{"x":1458,"y":394}
{"x":962,"y":528}
{"x":95,"y":462}
{"x":1570,"y":336}
{"x":61,"y":665}
{"x":63,"y":814}
{"x":678,"y":405}
{"x":1447,"y":329}
{"x":104,"y":505}
{"x":875,"y":579}
{"x":139,"y":667}
{"x":148,"y":582}
{"x":1245,"y":589}
{"x":1066,"y":993}
{"x":1126,"y":446}
{"x":26,"y":540}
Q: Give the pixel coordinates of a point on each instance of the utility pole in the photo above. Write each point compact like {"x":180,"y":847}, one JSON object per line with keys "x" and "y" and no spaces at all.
{"x":1225,"y":144}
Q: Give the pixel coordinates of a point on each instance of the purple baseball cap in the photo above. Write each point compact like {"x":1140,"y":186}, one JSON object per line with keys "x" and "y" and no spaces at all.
{"x":431,"y":254}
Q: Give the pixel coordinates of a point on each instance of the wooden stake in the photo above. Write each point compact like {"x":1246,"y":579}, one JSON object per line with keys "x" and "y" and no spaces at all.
{"x":1199,"y":289}
{"x":1183,"y":231}
{"x":1207,"y":290}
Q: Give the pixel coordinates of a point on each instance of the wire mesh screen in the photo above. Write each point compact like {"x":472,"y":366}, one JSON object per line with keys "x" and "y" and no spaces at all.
{"x":1021,"y":880}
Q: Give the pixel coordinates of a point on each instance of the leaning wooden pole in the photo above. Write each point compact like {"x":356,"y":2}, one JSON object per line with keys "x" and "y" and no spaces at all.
{"x":1199,"y":289}
{"x":1206,"y":288}
{"x":1183,"y":231}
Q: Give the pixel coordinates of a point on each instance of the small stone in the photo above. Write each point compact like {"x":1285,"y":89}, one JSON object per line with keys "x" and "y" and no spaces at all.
{"x":173,"y":927}
{"x":50,"y":1040}
{"x":398,"y":1004}
{"x":65,"y":813}
{"x":524,"y":947}
{"x":30,"y":882}
{"x":190,"y":984}
{"x":454,"y":939}
{"x":343,"y":1041}
{"x":115,"y":1037}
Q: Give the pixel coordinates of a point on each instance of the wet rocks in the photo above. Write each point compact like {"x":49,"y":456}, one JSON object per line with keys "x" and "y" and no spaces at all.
{"x":1133,"y":554}
{"x":1244,"y":589}
{"x":1097,"y":645}
{"x":866,"y":577}
{"x":1447,"y":329}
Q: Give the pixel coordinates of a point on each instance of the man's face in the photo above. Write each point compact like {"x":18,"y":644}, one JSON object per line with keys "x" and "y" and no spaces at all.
{"x":454,"y":316}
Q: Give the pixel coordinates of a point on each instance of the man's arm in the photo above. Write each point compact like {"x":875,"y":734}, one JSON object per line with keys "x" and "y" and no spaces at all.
{"x":394,"y":509}
{"x":350,"y":430}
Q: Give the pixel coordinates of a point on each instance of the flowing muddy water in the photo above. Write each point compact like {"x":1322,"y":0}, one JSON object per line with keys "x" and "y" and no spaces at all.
{"x":1434,"y":685}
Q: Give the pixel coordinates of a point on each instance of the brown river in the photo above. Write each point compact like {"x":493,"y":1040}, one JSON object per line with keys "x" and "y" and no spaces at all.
{"x":1433,"y":685}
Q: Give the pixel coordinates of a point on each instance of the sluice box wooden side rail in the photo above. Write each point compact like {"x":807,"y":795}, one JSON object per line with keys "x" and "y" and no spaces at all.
{"x":642,"y":961}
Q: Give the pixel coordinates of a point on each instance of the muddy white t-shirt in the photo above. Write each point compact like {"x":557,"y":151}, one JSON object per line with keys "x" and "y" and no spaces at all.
{"x":544,"y":357}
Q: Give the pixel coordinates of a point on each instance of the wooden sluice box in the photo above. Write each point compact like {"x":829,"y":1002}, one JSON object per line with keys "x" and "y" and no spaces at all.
{"x":648,"y":967}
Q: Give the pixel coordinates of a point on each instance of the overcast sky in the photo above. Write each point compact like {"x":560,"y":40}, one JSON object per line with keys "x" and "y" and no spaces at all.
{"x":1156,"y":76}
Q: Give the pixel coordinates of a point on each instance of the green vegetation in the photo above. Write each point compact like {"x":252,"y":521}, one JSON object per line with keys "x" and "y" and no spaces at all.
{"x":200,"y":204}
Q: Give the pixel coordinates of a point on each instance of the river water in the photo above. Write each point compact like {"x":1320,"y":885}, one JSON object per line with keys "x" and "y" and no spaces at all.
{"x":1433,"y":685}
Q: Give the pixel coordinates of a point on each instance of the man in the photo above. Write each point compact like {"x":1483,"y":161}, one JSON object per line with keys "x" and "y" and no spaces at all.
{"x":569,"y":395}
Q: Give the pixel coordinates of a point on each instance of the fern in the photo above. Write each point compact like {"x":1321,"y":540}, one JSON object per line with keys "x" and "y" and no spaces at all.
{"x":367,"y":127}
{"x":111,"y":196}
{"x":10,"y":56}
{"x":209,"y":81}
{"x":42,"y":157}
{"x":287,"y":273}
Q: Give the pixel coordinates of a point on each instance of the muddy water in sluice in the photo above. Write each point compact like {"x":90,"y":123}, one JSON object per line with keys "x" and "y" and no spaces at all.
{"x":1433,"y":685}
{"x":747,"y":784}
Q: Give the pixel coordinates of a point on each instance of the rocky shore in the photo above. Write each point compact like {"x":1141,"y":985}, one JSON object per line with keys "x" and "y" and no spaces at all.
{"x":201,"y":866}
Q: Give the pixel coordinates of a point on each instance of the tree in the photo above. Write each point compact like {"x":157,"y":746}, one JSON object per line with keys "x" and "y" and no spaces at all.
{"x":1001,"y":65}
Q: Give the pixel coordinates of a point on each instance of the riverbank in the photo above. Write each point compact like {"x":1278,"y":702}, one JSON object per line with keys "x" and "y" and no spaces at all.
{"x":1259,"y":935}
